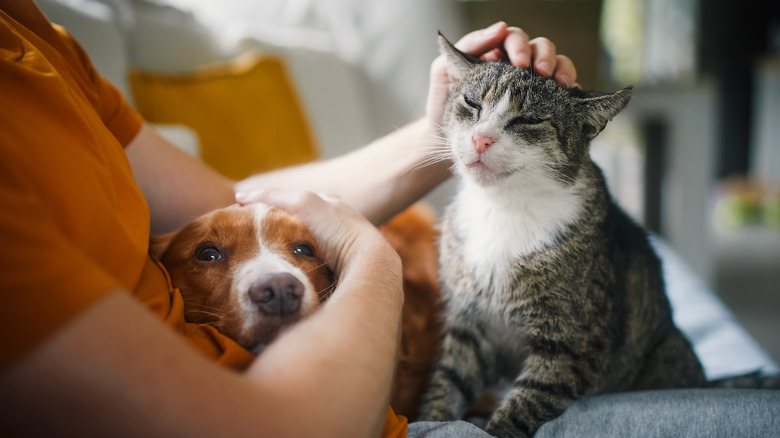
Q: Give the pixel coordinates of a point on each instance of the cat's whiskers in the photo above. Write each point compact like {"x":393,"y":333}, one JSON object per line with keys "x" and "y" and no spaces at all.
{"x":555,"y":174}
{"x":433,"y":155}
{"x":443,"y":129}
{"x":438,"y":139}
{"x":436,"y":145}
{"x":429,"y":161}
{"x":545,"y":169}
{"x":438,"y":150}
{"x":436,"y":136}
{"x":433,"y":151}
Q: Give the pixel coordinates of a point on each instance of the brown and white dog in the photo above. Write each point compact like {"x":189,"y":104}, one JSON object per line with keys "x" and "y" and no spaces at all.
{"x":248,"y":271}
{"x":254,"y":270}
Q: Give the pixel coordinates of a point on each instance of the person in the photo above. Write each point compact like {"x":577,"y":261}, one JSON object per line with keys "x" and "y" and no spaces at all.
{"x":92,"y":332}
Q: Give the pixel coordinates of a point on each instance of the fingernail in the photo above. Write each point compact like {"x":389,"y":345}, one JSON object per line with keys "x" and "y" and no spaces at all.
{"x":565,"y":80}
{"x":242,"y":197}
{"x":523,"y":60}
{"x":493,"y":29}
{"x":543,"y":68}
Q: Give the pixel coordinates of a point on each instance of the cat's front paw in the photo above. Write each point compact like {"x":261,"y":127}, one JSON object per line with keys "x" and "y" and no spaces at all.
{"x":504,"y":428}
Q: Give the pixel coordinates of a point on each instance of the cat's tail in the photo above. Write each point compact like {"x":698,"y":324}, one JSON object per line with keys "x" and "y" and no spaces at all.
{"x":754,"y":380}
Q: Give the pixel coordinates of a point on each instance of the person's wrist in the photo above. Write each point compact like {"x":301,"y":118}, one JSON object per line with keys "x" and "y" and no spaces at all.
{"x":374,"y":260}
{"x":373,"y":252}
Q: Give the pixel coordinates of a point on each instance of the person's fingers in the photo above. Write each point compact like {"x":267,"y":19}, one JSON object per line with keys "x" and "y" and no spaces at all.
{"x":517,"y":47}
{"x":543,"y":53}
{"x":478,"y":42}
{"x":565,"y":73}
{"x":331,"y":198}
{"x":343,"y":235}
{"x":494,"y":55}
{"x":244,"y":198}
{"x":292,"y":200}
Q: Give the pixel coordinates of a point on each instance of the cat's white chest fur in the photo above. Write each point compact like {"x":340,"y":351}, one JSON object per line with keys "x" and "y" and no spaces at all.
{"x":501,"y":223}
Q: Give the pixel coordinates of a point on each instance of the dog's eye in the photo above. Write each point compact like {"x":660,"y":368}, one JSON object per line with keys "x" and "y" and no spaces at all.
{"x":208,"y":253}
{"x":303,"y":249}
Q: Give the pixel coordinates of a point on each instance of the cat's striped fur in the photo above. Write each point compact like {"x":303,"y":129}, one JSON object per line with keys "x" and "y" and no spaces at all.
{"x":546,"y":281}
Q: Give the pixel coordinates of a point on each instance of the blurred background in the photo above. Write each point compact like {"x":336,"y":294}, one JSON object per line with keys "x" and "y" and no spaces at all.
{"x":695,"y":156}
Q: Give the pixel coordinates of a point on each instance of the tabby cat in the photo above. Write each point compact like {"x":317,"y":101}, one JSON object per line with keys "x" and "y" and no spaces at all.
{"x":546,"y":281}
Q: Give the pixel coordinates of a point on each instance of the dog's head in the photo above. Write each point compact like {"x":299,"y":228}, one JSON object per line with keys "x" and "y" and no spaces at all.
{"x":249,"y":271}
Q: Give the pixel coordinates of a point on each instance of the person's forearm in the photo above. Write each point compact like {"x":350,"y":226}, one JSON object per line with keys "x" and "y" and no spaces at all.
{"x":378,"y":180}
{"x":177,"y":187}
{"x":351,"y":364}
{"x":117,"y":371}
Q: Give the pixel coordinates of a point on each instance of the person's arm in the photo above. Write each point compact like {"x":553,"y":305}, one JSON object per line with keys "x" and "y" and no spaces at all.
{"x":115,"y":370}
{"x":379,"y":179}
{"x":177,"y":186}
{"x":393,"y":172}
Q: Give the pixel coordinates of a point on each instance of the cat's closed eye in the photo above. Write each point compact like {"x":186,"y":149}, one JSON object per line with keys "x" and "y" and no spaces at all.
{"x":474,"y":105}
{"x":524,"y":120}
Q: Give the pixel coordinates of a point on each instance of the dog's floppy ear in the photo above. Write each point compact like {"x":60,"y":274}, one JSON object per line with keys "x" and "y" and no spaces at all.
{"x":159,"y":244}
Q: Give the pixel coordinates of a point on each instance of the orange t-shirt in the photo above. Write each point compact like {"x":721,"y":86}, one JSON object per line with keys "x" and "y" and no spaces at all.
{"x":73,"y":223}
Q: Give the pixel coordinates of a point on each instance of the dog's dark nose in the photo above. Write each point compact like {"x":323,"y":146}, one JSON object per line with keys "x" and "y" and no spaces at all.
{"x":277,"y":294}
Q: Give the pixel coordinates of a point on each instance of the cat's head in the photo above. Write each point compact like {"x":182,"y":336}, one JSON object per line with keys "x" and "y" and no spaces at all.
{"x":503,"y":121}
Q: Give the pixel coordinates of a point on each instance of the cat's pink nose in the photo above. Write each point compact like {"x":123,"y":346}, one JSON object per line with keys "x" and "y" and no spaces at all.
{"x":481,"y":143}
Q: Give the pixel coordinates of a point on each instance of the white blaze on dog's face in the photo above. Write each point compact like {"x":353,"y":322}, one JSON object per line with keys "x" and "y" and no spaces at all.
{"x":249,"y":271}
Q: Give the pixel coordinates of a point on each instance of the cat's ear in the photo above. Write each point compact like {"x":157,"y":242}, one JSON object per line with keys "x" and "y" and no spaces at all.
{"x":599,"y":108}
{"x":458,"y":63}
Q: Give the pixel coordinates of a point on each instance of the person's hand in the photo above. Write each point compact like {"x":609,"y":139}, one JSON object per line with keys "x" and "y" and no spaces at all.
{"x":500,"y":42}
{"x":346,"y":238}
